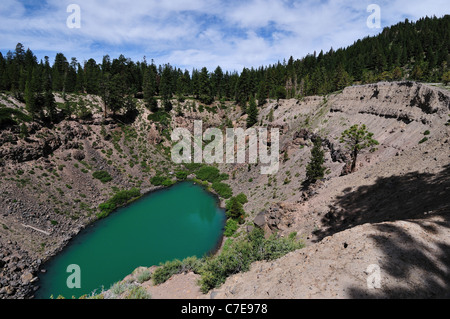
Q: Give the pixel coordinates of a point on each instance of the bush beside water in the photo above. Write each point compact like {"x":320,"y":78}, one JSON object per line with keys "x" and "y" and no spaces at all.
{"x":237,"y":257}
{"x":119,"y":199}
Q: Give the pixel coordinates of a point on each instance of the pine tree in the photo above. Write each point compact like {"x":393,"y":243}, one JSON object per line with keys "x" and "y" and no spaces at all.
{"x":446,"y":78}
{"x":149,"y":88}
{"x":252,"y":113}
{"x":71,"y":79}
{"x":315,"y":168}
{"x":186,"y":83}
{"x":262,"y":94}
{"x":205,"y":91}
{"x":217,"y":83}
{"x":117,"y":91}
{"x":91,"y":77}
{"x":80,"y":87}
{"x":417,"y":72}
{"x":235,"y":209}
{"x":3,"y":73}
{"x":280,"y":93}
{"x":242,"y":88}
{"x":30,"y":99}
{"x":397,"y":74}
{"x":342,"y":78}
{"x":105,"y":92}
{"x":59,"y":72}
{"x":165,"y":87}
{"x":356,"y":139}
{"x":82,"y":111}
{"x":49,"y":99}
{"x":270,"y":116}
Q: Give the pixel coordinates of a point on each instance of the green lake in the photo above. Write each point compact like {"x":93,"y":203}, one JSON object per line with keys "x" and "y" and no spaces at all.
{"x":181,"y":221}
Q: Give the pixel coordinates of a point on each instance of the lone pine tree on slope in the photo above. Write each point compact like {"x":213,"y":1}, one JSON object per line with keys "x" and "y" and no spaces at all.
{"x":356,"y":139}
{"x":315,"y":169}
{"x":252,"y":112}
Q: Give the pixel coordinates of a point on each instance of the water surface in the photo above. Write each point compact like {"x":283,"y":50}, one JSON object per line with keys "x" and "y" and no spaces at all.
{"x":178,"y":222}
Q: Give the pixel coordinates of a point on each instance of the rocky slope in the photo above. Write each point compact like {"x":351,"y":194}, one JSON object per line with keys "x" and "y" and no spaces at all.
{"x":390,"y":217}
{"x":48,"y":192}
{"x":393,"y":212}
{"x":393,"y":208}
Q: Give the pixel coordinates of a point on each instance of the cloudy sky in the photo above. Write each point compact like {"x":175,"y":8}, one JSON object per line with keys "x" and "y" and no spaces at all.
{"x":197,"y":33}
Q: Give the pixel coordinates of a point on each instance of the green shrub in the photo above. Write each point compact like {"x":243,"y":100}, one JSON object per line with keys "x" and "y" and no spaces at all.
{"x":138,"y":292}
{"x":240,"y":254}
{"x":103,"y":176}
{"x":181,"y":175}
{"x":157,"y":180}
{"x":208,"y":173}
{"x":144,"y":276}
{"x":234,"y":207}
{"x":118,"y":288}
{"x":242,"y":198}
{"x":423,"y":140}
{"x":167,"y":270}
{"x":167,"y":182}
{"x":119,"y":199}
{"x":222,"y":189}
{"x":160,"y":117}
{"x":214,"y":270}
{"x":231,"y":227}
{"x":175,"y":267}
{"x":237,"y":258}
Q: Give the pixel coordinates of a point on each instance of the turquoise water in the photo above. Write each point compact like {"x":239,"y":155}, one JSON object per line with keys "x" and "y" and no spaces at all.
{"x":178,"y":222}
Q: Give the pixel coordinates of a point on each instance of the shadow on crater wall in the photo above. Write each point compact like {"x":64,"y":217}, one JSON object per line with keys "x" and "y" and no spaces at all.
{"x":414,"y":197}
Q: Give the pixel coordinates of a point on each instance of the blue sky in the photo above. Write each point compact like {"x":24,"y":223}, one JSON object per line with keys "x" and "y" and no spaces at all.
{"x":196,"y":33}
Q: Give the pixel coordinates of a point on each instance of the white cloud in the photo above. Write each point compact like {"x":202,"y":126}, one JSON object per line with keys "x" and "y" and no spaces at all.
{"x":200,"y":33}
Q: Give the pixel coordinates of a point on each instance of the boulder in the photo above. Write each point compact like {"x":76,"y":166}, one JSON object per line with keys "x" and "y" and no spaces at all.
{"x":26,"y":277}
{"x":260,"y":219}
